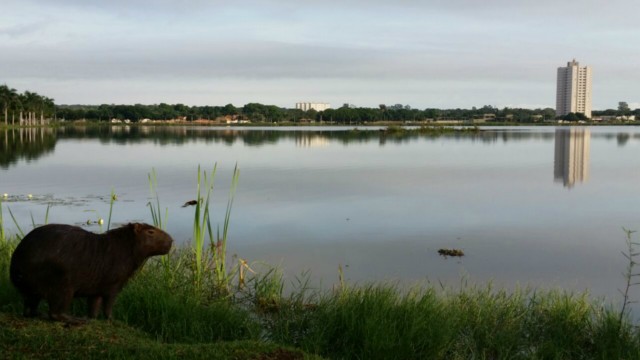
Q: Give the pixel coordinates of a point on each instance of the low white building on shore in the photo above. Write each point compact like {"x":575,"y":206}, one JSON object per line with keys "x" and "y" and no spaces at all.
{"x":306,"y":106}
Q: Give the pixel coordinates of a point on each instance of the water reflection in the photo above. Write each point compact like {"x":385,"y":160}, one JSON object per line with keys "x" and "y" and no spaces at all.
{"x":403,"y":200}
{"x":25,"y":143}
{"x":32,"y":143}
{"x":303,"y":136}
{"x":311,"y":140}
{"x":571,"y":156}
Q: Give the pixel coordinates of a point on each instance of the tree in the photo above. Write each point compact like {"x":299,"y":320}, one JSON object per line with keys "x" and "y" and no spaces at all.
{"x":15,"y":105}
{"x":4,"y":101}
{"x":8,"y":100}
{"x":623,"y":108}
{"x":575,"y":117}
{"x":105,"y":112}
{"x":229,"y":109}
{"x":296,"y":115}
{"x":31,"y":103}
{"x":253,"y":111}
{"x":166,"y":112}
{"x":383,"y":110}
{"x":311,"y":114}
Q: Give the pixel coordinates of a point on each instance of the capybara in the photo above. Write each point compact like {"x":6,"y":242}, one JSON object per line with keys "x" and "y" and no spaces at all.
{"x":59,"y":262}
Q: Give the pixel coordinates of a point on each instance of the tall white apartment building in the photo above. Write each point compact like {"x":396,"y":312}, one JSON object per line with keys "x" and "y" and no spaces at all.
{"x":305,"y":106}
{"x":573,"y":94}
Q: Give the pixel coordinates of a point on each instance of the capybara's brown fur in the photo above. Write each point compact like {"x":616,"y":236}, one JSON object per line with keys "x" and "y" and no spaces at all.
{"x":59,"y":262}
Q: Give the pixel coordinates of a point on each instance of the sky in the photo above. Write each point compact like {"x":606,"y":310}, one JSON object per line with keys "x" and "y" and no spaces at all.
{"x":423,"y":53}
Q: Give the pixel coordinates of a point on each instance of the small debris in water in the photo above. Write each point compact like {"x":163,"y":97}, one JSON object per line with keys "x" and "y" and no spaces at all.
{"x":451,"y":252}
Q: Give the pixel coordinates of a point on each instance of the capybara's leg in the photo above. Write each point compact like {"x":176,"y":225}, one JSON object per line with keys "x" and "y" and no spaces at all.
{"x":107,"y":303}
{"x":59,"y":303}
{"x":31,"y":306}
{"x":94,"y":303}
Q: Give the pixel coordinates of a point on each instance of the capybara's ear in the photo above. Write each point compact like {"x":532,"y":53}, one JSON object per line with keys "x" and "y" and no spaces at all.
{"x":137,"y":228}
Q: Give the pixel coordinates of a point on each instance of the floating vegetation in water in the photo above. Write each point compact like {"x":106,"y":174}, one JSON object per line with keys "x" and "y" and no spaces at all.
{"x":107,"y":199}
{"x":433,"y":130}
{"x":451,"y":252}
{"x":46,"y":199}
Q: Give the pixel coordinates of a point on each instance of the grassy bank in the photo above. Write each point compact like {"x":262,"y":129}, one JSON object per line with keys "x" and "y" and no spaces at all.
{"x":22,"y":338}
{"x":197,"y":303}
{"x":159,"y":317}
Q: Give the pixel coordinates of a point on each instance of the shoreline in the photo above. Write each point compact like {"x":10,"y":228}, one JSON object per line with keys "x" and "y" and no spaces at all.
{"x":213,"y":123}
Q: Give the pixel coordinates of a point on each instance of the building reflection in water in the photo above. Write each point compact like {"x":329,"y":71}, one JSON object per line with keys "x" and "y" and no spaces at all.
{"x":311,"y":140}
{"x":571,"y":163}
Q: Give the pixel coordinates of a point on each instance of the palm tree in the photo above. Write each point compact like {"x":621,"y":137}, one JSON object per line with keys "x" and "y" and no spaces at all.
{"x":31,"y":102}
{"x":5,"y":101}
{"x":48,"y":106}
{"x":16,"y":105}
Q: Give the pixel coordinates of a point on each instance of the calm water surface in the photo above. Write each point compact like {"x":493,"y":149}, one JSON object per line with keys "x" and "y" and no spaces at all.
{"x":538,"y":206}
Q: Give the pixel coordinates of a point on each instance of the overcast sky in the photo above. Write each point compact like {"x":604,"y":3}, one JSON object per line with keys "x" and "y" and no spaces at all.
{"x":425,"y":53}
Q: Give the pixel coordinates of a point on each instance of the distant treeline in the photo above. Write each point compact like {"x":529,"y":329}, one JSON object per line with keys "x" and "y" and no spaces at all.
{"x":269,"y":113}
{"x":30,"y":107}
{"x":343,"y":115}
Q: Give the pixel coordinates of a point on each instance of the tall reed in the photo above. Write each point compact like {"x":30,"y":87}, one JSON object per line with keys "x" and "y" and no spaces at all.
{"x":15,"y":222}
{"x":220,"y":242}
{"x":201,"y":221}
{"x":5,"y":249}
{"x":111,"y":201}
{"x":629,"y":274}
{"x":2,"y":236}
{"x":155,"y":208}
{"x":170,"y":267}
{"x":212,"y":257}
{"x":9,"y":299}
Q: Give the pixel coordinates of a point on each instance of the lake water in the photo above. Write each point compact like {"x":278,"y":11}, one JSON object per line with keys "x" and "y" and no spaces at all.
{"x":538,"y":206}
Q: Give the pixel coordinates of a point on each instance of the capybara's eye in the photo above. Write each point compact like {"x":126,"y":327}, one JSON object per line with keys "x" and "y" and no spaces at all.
{"x":150,"y":232}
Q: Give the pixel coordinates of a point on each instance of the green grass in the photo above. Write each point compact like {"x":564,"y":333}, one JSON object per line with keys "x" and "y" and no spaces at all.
{"x":172,"y":313}
{"x":379,"y":322}
{"x":186,"y":305}
{"x":37,"y":339}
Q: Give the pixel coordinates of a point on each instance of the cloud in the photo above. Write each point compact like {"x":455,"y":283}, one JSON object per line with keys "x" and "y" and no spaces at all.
{"x":258,"y":60}
{"x":589,"y":10}
{"x":21,"y":30}
{"x":119,"y":6}
{"x":452,"y":52}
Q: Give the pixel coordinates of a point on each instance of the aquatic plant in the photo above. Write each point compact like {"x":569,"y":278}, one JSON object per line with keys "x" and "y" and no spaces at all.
{"x":630,"y":275}
{"x":210,"y":247}
{"x":2,"y":233}
{"x":155,"y":208}
{"x":112,"y":200}
{"x":201,"y":223}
